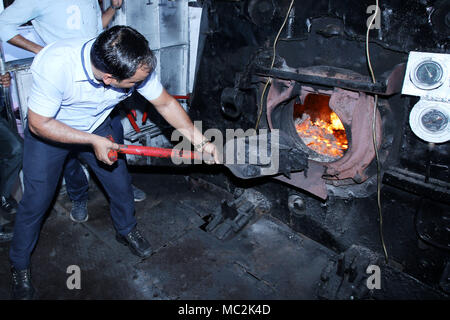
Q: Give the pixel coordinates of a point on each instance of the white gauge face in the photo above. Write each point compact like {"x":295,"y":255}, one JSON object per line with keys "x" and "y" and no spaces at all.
{"x":434,"y":120}
{"x":428,"y":75}
{"x":430,"y":121}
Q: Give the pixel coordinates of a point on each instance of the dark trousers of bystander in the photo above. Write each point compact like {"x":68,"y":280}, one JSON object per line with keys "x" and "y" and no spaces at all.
{"x":11,"y":152}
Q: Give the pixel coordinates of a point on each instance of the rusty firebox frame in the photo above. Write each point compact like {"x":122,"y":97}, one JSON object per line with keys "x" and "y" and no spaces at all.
{"x":353,"y":106}
{"x":354,"y":110}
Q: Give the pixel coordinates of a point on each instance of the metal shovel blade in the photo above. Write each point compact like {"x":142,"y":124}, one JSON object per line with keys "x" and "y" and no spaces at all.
{"x":260,"y":155}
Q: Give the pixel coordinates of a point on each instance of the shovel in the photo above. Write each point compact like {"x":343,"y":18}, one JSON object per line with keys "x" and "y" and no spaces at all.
{"x":243,"y":156}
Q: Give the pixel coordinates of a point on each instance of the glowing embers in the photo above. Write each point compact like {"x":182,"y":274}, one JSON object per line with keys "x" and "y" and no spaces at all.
{"x":319,"y":127}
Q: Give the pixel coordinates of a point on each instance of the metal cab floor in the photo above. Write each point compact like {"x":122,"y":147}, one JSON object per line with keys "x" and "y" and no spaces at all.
{"x":266,"y":260}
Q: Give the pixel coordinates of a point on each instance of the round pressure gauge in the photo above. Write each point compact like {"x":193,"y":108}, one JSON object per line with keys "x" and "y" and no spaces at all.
{"x":428,"y":74}
{"x":430,"y":121}
{"x":434,"y":120}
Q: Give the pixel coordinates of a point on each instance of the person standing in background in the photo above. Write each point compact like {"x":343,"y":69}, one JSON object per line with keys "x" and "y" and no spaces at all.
{"x":57,"y":20}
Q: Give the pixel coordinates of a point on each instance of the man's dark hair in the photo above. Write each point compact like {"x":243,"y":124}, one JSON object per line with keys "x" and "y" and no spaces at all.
{"x":120,"y":51}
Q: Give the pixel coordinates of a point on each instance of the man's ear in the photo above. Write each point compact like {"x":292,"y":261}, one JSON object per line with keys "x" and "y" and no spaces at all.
{"x":108,"y":78}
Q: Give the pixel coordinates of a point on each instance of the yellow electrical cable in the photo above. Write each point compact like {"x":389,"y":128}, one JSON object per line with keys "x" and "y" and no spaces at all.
{"x":374,"y":136}
{"x":269,"y":79}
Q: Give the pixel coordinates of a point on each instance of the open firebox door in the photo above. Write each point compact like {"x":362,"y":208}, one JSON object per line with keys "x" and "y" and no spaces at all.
{"x":331,"y":126}
{"x":326,"y":113}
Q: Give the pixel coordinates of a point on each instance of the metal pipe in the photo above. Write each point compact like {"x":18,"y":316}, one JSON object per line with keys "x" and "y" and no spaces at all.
{"x":144,"y":117}
{"x":290,"y":24}
{"x":133,"y":122}
{"x":428,"y":163}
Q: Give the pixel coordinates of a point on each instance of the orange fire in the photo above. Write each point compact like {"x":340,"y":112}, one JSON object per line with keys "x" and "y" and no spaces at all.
{"x":326,"y":138}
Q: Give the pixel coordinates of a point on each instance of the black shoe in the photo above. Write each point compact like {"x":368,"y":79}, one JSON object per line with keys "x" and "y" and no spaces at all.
{"x":139,"y":195}
{"x":8,"y":207}
{"x":22,"y":289}
{"x":136,"y":242}
{"x":6,"y":232}
{"x":79,"y":212}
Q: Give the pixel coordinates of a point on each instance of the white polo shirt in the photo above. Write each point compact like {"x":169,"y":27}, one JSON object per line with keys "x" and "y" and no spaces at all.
{"x":53,"y":19}
{"x":66,"y":90}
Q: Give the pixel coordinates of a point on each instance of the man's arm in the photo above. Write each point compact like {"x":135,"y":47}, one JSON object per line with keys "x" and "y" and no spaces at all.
{"x":171,"y":110}
{"x":14,"y":16}
{"x":54,"y":130}
{"x":24,"y":43}
{"x":110,"y":12}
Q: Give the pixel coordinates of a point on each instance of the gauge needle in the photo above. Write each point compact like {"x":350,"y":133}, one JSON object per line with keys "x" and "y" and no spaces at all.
{"x":429,"y":73}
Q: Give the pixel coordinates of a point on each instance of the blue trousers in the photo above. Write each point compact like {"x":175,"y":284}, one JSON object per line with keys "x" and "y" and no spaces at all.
{"x":42,"y":166}
{"x":77,"y":184}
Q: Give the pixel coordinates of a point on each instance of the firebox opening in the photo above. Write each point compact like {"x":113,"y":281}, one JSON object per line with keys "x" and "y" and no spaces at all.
{"x":320,"y":127}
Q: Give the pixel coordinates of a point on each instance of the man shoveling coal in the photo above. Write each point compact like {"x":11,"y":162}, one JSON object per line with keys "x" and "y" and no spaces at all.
{"x":76,"y":84}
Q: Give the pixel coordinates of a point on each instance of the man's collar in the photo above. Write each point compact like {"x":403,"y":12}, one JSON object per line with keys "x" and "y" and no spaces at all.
{"x":86,"y":64}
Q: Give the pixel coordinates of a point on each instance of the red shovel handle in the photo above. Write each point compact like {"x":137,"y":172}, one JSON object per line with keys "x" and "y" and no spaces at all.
{"x":112,"y":154}
{"x":155,"y":152}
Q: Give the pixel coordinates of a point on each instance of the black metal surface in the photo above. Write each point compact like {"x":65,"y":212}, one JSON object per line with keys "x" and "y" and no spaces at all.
{"x":346,"y":278}
{"x":433,"y":224}
{"x":376,"y":88}
{"x":266,"y":259}
{"x":232,"y":101}
{"x":230,"y":218}
{"x":280,"y":156}
{"x":419,"y":156}
{"x":340,"y":223}
{"x":332,"y":33}
{"x":418,"y":184}
{"x":187,"y":263}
